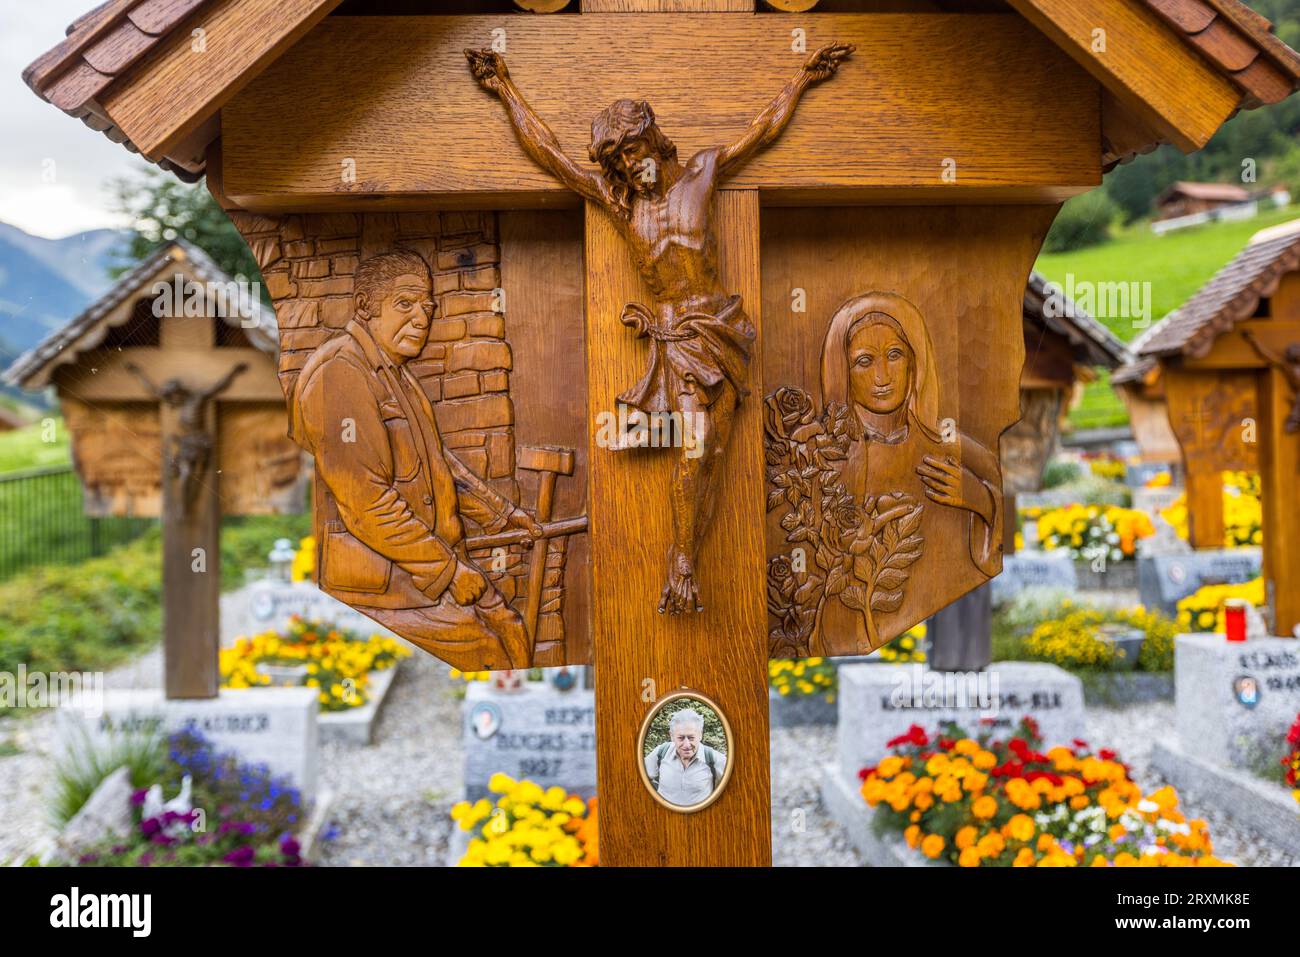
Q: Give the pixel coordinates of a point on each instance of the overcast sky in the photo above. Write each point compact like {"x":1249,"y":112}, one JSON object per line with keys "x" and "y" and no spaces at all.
{"x":39,"y":142}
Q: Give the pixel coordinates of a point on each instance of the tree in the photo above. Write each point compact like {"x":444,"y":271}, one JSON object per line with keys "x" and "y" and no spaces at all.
{"x":162,"y":208}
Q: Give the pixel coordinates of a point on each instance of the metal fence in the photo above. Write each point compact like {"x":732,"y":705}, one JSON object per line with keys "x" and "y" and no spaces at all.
{"x":42,"y":521}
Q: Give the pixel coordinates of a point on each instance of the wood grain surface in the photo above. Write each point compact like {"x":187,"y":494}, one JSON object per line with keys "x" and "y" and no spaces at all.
{"x":918,"y":91}
{"x":1139,"y":59}
{"x":541,"y":273}
{"x":964,"y":269}
{"x":640,"y":655}
{"x":1279,"y":466}
{"x":183,"y":81}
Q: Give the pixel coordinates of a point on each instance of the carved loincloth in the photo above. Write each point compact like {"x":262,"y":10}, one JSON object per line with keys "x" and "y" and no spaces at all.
{"x":697,"y":355}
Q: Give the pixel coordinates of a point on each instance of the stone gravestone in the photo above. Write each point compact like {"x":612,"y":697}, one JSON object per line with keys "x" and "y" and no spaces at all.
{"x":1033,"y":569}
{"x":1164,"y":579}
{"x":266,"y":605}
{"x":880,"y":702}
{"x":272,"y":726}
{"x":538,"y":732}
{"x":1235,"y":702}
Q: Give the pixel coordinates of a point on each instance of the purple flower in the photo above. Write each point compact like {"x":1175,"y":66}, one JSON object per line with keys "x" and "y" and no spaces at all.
{"x":137,"y":797}
{"x":240,"y":856}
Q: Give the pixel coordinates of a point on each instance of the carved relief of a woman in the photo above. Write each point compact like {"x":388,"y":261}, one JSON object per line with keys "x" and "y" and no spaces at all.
{"x":877,"y":361}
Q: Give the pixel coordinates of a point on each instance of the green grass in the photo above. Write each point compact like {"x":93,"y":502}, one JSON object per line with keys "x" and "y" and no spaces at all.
{"x":27,"y":449}
{"x":1176,"y":266}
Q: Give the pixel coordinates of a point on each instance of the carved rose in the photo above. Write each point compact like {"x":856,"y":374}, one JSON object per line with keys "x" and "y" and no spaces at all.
{"x":790,"y":415}
{"x":847,"y":517}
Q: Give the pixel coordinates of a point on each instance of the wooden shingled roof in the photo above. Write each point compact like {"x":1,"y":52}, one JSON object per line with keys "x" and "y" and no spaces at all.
{"x":85,"y":331}
{"x":124,"y":48}
{"x":1091,"y":343}
{"x":1230,"y":297}
{"x":1237,"y":40}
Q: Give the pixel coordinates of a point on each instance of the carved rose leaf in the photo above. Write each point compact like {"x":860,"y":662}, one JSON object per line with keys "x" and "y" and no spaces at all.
{"x":836,"y":581}
{"x":887,"y":601}
{"x":891,"y":578}
{"x":855,"y":597}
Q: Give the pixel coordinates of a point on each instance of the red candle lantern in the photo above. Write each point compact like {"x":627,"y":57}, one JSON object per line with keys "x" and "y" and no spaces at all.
{"x":1234,"y":619}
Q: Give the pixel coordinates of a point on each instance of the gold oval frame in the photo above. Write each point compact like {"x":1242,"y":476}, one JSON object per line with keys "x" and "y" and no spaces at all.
{"x":640,"y":750}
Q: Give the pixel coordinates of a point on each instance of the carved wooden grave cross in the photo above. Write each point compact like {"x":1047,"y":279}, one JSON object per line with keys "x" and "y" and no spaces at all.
{"x":168,"y":388}
{"x":811,"y":296}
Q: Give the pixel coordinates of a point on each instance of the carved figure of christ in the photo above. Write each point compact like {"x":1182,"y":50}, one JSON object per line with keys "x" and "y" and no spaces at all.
{"x":700,"y":337}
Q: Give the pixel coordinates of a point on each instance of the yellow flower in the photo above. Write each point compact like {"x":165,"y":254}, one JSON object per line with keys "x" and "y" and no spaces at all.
{"x":969,"y":857}
{"x":984,"y":807}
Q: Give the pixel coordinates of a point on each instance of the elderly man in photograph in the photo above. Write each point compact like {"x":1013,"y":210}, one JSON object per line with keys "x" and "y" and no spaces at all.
{"x":391,"y":526}
{"x":685,"y":770}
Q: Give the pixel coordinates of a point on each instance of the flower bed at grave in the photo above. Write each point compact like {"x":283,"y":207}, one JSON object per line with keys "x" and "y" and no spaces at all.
{"x":1112,"y":469}
{"x":1202,"y":610}
{"x":802,"y":677}
{"x":248,"y":817}
{"x":805,"y":677}
{"x":528,"y":827}
{"x":1243,"y":515}
{"x":1292,"y":760}
{"x":1074,"y":640}
{"x":336,"y":661}
{"x":983,"y":802}
{"x":1093,"y":531}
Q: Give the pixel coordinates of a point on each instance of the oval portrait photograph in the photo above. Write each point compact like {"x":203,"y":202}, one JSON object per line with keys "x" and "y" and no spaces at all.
{"x":684,"y":747}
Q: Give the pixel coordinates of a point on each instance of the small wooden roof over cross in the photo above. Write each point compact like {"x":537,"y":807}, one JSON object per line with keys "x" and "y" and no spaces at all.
{"x":87,"y":330}
{"x":1197,"y":63}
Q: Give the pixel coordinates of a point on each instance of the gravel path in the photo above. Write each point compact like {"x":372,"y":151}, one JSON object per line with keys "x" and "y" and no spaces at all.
{"x":391,"y":800}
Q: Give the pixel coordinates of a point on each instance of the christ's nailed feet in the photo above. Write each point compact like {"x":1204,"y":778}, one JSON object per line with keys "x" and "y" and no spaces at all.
{"x":681,"y":594}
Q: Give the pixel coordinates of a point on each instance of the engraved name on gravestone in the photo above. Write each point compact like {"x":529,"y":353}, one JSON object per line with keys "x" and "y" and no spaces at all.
{"x":538,"y":732}
{"x":1163,"y":579}
{"x":1033,"y":570}
{"x":272,"y":726}
{"x":880,"y":702}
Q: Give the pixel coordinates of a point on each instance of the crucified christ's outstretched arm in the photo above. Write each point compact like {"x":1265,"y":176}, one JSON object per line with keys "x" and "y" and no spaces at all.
{"x":774,"y":118}
{"x":537,"y":139}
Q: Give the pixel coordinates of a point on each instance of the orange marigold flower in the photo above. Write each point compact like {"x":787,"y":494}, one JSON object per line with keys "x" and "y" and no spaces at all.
{"x":984,"y":807}
{"x":991,"y":844}
{"x":965,"y":837}
{"x":1021,"y":827}
{"x":932,"y":845}
{"x":969,"y":857}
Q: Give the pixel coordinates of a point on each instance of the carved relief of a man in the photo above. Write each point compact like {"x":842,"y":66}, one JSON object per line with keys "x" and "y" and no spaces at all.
{"x":394,"y":549}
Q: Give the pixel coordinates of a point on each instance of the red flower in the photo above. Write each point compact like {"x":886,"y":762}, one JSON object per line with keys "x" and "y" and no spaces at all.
{"x":1106,"y":754}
